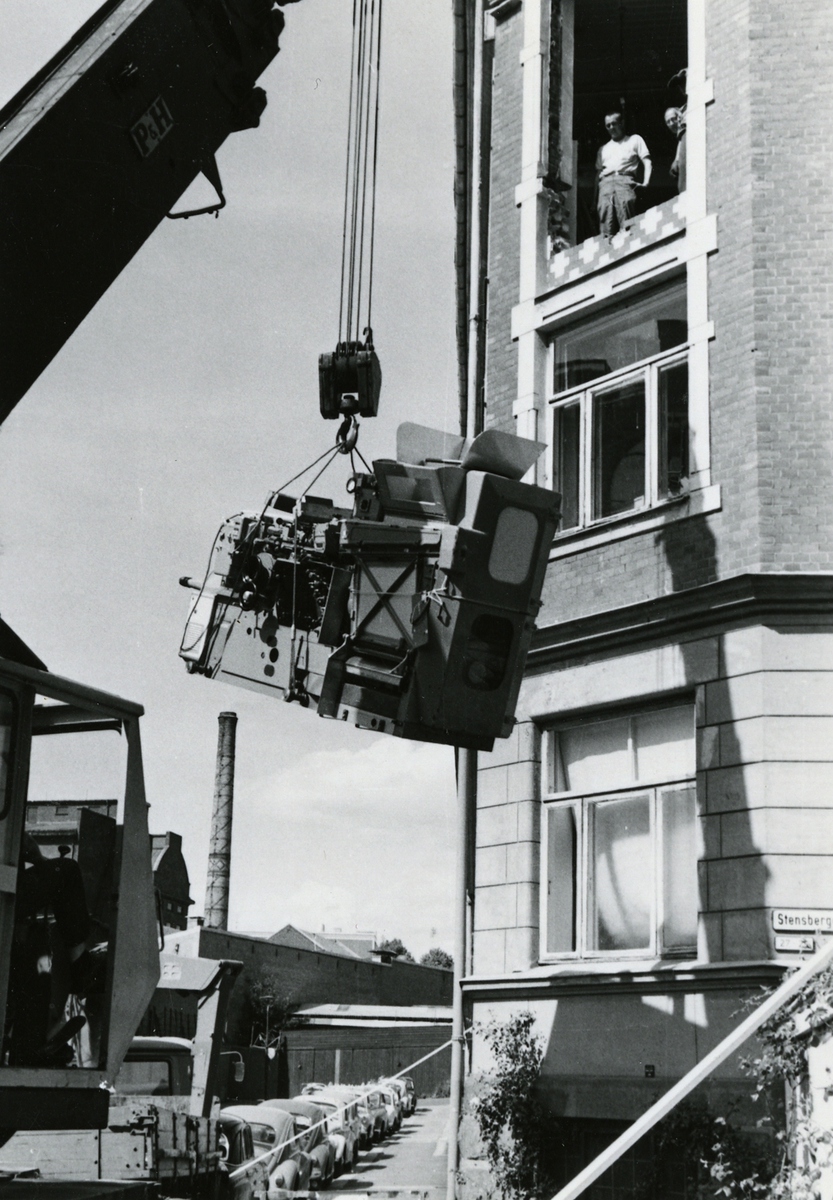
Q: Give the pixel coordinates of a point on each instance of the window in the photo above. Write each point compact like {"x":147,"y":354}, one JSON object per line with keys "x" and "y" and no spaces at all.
{"x":619,"y":837}
{"x":626,"y":54}
{"x":620,"y":429}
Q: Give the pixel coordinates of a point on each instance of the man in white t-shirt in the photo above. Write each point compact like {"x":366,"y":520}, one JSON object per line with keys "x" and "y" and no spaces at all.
{"x":622,"y":165}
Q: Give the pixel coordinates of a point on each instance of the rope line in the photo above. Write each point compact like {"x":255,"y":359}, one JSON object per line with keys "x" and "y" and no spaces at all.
{"x":359,"y":1094}
{"x":359,"y":222}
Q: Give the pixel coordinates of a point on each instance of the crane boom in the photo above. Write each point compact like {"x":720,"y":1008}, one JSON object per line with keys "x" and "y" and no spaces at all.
{"x":101,"y":143}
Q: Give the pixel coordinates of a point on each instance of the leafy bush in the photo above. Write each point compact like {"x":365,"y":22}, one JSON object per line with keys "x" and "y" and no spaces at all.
{"x":508,"y":1114}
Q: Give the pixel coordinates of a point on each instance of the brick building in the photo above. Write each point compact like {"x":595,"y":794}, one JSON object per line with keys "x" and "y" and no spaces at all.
{"x":654,"y":841}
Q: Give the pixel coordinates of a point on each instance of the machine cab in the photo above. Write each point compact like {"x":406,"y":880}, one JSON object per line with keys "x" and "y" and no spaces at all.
{"x":78,"y":934}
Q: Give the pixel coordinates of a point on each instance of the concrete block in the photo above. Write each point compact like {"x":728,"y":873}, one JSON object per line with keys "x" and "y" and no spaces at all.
{"x":791,"y":739}
{"x":760,"y":648}
{"x":522,"y":948}
{"x":777,"y":880}
{"x":710,"y":937}
{"x":497,"y":826}
{"x":524,"y":780}
{"x":741,"y":651}
{"x":770,"y":693}
{"x":523,"y":862}
{"x":529,"y":741}
{"x":746,"y":935}
{"x":529,"y":821}
{"x":505,"y":751}
{"x":709,"y":827}
{"x":626,"y":677}
{"x":708,"y":747}
{"x":778,"y":831}
{"x":528,"y":904}
{"x":496,"y":907}
{"x":490,"y":865}
{"x":492,"y":786}
{"x":489,"y":951}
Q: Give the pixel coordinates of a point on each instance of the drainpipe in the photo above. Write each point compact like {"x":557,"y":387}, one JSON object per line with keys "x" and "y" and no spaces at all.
{"x":468,"y":98}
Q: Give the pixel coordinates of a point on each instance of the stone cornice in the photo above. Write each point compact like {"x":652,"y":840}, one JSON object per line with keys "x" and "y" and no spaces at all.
{"x":556,"y":983}
{"x":739,"y":600}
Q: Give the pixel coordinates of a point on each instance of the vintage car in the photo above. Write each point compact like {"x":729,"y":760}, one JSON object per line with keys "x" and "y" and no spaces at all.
{"x":248,"y":1172}
{"x":343,"y":1125}
{"x":276,"y":1144}
{"x":398,"y":1086}
{"x":411,"y":1090}
{"x":391,"y":1100}
{"x":314,"y":1138}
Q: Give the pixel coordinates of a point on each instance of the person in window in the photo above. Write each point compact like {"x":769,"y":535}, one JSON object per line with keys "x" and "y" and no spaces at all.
{"x":622,"y":165}
{"x":675,"y":120}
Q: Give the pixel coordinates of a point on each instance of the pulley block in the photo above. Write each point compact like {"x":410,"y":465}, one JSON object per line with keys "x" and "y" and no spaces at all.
{"x":349,"y":380}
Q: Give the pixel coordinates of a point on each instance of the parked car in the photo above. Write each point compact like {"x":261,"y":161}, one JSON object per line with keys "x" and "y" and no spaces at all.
{"x":271,"y":1129}
{"x":248,"y":1173}
{"x":310,"y":1121}
{"x":339,"y":1127}
{"x":390,"y":1098}
{"x":398,"y":1086}
{"x":411,"y":1089}
{"x":378,"y":1110}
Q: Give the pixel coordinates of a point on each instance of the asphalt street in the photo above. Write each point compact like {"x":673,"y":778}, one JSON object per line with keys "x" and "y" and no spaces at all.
{"x":415,"y":1158}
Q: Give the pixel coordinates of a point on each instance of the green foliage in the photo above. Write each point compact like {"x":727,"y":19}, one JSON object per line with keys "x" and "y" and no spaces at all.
{"x":718,"y":1159}
{"x":269,"y":1009}
{"x":436,"y":957}
{"x":507,"y":1112}
{"x":397,"y":949}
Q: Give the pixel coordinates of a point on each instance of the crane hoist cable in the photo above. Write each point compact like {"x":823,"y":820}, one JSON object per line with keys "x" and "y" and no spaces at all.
{"x":350,"y":378}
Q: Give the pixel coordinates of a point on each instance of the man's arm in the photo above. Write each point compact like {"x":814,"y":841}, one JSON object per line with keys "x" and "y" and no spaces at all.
{"x":645,"y":158}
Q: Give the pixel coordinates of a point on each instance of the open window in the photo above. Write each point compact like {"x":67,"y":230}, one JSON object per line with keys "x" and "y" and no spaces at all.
{"x":628,"y":55}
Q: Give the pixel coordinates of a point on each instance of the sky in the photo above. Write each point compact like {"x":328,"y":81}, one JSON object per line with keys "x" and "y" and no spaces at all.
{"x":189,"y":393}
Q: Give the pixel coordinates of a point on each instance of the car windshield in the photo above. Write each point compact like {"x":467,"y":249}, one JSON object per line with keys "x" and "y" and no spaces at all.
{"x":263,"y":1135}
{"x":333,"y":1117}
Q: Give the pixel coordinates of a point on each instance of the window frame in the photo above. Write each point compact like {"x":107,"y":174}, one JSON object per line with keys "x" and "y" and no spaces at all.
{"x":583,"y":804}
{"x":585,"y":396}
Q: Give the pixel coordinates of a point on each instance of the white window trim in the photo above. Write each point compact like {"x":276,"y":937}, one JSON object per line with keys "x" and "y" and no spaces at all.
{"x":582,"y":804}
{"x":585,"y":395}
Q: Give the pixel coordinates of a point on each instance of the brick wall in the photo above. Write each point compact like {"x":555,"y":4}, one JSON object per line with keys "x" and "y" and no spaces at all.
{"x":314,"y":977}
{"x":769,"y":154}
{"x":504,"y":224}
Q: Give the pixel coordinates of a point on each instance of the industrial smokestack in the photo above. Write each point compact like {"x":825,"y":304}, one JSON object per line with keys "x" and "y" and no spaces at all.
{"x":219,"y":853}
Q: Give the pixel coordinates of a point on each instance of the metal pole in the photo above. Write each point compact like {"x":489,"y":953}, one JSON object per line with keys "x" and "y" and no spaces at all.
{"x":464,"y":777}
{"x":219,"y":854}
{"x":469,"y":50}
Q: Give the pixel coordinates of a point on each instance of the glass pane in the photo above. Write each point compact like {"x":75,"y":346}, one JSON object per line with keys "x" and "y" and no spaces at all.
{"x":144,"y":1078}
{"x":680,"y":892}
{"x":664,"y":744}
{"x":622,"y":874}
{"x":561,"y":879}
{"x":593,"y":758}
{"x":567,"y":426}
{"x":516,"y":533}
{"x":595,"y":348}
{"x":673,"y":450}
{"x":619,"y":449}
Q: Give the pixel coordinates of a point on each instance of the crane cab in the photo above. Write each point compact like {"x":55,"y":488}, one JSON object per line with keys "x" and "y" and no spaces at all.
{"x":79,"y":955}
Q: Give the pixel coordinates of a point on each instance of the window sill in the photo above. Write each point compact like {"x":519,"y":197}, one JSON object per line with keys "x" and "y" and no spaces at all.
{"x":652,"y":973}
{"x":648,"y":229}
{"x":645,"y":520}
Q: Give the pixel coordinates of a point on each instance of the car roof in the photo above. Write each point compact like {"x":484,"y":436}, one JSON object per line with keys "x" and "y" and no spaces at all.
{"x":259,"y":1114}
{"x":301,"y":1105}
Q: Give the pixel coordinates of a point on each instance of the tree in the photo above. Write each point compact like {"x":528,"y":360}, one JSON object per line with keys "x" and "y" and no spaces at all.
{"x":395,"y":947}
{"x":437,"y":957}
{"x":270,"y":1009}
